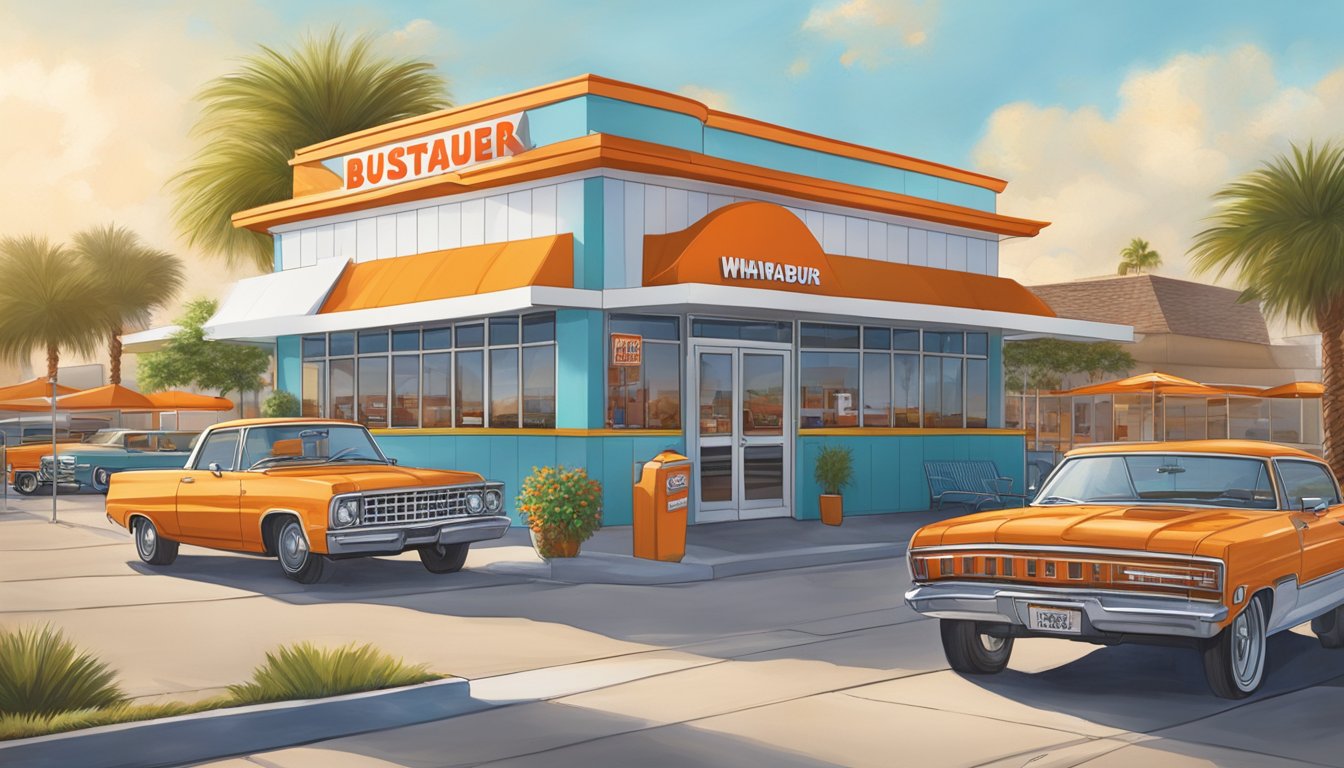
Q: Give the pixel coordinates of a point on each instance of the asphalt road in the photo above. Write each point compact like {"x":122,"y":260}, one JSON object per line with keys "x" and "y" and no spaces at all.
{"x":815,"y":666}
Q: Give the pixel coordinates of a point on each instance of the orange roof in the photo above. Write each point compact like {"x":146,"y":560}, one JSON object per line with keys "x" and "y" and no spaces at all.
{"x":1256,"y":448}
{"x":34,"y":388}
{"x":765,"y":232}
{"x":453,"y":273}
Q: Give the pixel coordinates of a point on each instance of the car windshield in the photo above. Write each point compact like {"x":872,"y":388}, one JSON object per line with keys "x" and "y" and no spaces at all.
{"x":177,"y":441}
{"x":105,"y":437}
{"x":1224,"y":481}
{"x":309,"y":443}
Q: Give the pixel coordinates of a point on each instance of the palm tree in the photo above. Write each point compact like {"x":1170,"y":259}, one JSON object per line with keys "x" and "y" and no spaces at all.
{"x":47,"y":301}
{"x":1281,"y":229}
{"x":253,"y":120}
{"x":134,"y":280}
{"x":1137,"y":257}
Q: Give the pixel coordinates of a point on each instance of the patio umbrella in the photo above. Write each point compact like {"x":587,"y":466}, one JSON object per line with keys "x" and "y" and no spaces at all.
{"x":175,"y":400}
{"x":35,"y":388}
{"x":1296,"y":389}
{"x":110,"y":397}
{"x":1154,"y":382}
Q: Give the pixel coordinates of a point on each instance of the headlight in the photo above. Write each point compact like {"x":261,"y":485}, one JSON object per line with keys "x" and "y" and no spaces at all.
{"x":346,"y":512}
{"x":68,"y":460}
{"x":494,"y":501}
{"x":475,"y":504}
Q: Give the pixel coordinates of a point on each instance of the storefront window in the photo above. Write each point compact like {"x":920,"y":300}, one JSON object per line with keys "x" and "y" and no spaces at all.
{"x":342,"y":389}
{"x":977,"y":392}
{"x":743,"y":330}
{"x":942,"y":392}
{"x":1285,"y":420}
{"x":470,"y":388}
{"x":905,"y":378}
{"x":538,"y":386}
{"x":436,"y":377}
{"x":1249,"y":418}
{"x":373,"y":392}
{"x":405,"y":390}
{"x":829,"y":389}
{"x":648,"y":395}
{"x":1185,"y":418}
{"x":504,"y":386}
{"x":314,"y":387}
{"x":876,"y":389}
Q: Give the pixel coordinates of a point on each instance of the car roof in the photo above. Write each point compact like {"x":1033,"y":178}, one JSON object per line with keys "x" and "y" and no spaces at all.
{"x":1256,"y":448}
{"x":280,"y":420}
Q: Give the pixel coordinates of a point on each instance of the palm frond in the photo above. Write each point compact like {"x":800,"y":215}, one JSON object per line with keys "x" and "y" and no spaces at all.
{"x":253,"y":120}
{"x":135,"y":279}
{"x":47,"y":300}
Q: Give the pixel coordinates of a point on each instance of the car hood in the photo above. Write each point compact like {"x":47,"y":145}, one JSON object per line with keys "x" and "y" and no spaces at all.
{"x":33,"y":451}
{"x":1150,"y":528}
{"x":350,"y":478}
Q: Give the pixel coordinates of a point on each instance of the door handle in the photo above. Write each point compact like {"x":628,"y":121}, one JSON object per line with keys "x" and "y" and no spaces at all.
{"x":188,"y":479}
{"x":1300,"y":525}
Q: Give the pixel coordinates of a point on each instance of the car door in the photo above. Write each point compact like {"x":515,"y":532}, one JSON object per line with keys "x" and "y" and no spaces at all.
{"x":1322,"y":536}
{"x":207,"y":499}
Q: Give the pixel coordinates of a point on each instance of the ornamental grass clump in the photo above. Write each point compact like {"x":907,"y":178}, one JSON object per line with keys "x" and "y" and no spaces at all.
{"x":563,"y":507}
{"x":834,"y":469}
{"x":305,"y":671}
{"x":42,"y":673}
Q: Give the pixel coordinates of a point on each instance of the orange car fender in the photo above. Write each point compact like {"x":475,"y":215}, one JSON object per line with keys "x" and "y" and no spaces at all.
{"x":1258,"y":556}
{"x":150,"y":493}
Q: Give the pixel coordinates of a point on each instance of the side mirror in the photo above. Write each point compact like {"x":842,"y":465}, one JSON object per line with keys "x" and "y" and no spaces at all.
{"x":215,"y":469}
{"x":1315,"y":505}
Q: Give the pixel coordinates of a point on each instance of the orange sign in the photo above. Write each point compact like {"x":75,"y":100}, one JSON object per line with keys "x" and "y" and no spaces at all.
{"x":435,"y":154}
{"x":627,"y":349}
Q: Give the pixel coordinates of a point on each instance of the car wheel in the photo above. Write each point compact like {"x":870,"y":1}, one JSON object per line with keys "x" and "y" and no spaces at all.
{"x":444,"y":558}
{"x":970,"y":651}
{"x":1329,"y":628}
{"x":1234,"y":659}
{"x":298,"y":562}
{"x":99,"y":479}
{"x":153,"y":548}
{"x":26,"y":483}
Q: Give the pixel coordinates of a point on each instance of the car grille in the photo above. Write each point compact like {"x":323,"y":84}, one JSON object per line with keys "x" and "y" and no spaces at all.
{"x":66,"y":474}
{"x":415,"y":506}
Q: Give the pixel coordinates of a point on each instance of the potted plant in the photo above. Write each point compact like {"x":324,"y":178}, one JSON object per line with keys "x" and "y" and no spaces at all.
{"x":834,"y":470}
{"x":563,"y":509}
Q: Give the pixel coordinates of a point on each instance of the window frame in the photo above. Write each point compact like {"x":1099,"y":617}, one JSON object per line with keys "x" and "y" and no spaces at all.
{"x":682,"y":345}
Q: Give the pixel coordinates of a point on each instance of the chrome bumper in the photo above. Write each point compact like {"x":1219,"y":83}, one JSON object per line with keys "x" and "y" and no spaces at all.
{"x":389,"y":540}
{"x":1103,"y":612}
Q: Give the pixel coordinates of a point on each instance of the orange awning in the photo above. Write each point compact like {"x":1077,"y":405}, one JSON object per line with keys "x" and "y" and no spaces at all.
{"x":175,"y":400}
{"x":111,"y":397}
{"x":1298,"y":389}
{"x":1160,"y":383}
{"x":454,"y":273}
{"x":763,"y":245}
{"x":34,"y":388}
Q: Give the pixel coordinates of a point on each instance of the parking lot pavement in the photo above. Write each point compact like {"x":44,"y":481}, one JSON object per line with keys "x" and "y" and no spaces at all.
{"x":805,"y":667}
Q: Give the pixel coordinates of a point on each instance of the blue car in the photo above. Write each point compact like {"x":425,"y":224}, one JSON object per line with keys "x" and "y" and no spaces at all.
{"x":91,"y":464}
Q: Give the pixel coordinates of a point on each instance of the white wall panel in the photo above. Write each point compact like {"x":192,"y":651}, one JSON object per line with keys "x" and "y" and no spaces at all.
{"x":496,"y":218}
{"x":816,"y":222}
{"x":856,"y":237}
{"x":289,"y":250}
{"x":956,"y":252}
{"x":450,"y":225}
{"x":715,"y":202}
{"x":473,"y":222}
{"x":633,"y":228}
{"x":919,"y":247}
{"x":326,"y":242}
{"x":520,"y":215}
{"x":697,"y":206}
{"x":427,"y":230}
{"x":569,"y":208}
{"x":877,"y":240}
{"x":992,"y":257}
{"x":407,"y":224}
{"x":898,"y":244}
{"x":655,"y":209}
{"x":345,"y":247}
{"x":938,"y":250}
{"x":832,"y":233}
{"x":366,"y":239}
{"x":677,"y":210}
{"x":613,"y":233}
{"x":543,"y":211}
{"x":387,"y":236}
{"x":308,"y":247}
{"x":975,"y":255}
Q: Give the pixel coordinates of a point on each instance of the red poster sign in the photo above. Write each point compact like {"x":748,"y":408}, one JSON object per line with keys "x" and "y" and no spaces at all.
{"x":627,"y":349}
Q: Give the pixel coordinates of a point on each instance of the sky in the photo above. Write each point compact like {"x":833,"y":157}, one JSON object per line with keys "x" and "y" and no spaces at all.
{"x":1110,"y":119}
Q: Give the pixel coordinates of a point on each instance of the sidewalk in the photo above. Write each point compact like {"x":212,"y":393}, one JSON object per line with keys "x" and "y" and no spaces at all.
{"x":719,"y":550}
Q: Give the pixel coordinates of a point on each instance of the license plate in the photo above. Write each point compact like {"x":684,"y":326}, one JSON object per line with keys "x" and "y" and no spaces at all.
{"x":1062,"y":620}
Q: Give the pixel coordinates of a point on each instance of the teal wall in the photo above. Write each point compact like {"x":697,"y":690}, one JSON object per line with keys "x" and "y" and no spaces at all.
{"x":510,"y":459}
{"x":583,"y":115}
{"x":579,"y":372}
{"x":889,"y":469}
{"x":289,"y":366}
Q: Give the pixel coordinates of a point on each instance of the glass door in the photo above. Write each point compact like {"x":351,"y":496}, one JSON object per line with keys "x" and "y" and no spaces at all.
{"x":744,"y":443}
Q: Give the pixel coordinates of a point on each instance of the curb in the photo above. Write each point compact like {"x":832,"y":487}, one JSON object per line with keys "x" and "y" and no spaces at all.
{"x":606,"y":568}
{"x":221,"y":733}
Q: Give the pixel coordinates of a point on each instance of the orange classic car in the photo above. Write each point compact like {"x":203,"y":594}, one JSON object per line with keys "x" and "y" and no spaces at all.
{"x":1217,"y":544}
{"x":306,"y":491}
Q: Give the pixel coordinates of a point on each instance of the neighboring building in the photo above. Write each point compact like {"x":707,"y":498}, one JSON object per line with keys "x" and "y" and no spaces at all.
{"x":589,"y":272}
{"x":1197,"y":331}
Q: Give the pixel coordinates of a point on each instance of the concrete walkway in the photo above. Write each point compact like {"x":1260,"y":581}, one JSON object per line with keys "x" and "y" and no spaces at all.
{"x":719,"y":550}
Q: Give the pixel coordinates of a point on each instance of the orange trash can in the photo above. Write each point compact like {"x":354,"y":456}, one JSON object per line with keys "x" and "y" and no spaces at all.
{"x":662,"y":495}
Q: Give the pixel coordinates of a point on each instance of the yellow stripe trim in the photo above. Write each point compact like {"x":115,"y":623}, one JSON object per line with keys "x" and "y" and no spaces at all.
{"x":558,"y":432}
{"x":911,"y":431}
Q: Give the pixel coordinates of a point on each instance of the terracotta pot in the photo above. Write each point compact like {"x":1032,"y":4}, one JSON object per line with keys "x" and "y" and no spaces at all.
{"x":832,"y":508}
{"x":550,"y":545}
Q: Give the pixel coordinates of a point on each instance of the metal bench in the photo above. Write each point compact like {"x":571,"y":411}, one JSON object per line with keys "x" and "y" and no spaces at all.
{"x":977,"y":484}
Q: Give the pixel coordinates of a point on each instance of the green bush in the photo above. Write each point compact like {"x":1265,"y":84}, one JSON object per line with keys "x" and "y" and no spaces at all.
{"x":834,"y":470}
{"x":24,"y":726}
{"x":281,"y":403}
{"x":304,"y":671}
{"x":556,"y":501}
{"x":43,"y":673}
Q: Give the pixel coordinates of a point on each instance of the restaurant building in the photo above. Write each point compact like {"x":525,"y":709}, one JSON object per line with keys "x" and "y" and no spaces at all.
{"x":589,"y":272}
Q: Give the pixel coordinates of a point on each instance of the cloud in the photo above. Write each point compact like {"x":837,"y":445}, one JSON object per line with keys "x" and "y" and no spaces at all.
{"x":418,"y":37}
{"x":1180,"y":132}
{"x":800,"y":66}
{"x":869,"y":30}
{"x":714,"y":99}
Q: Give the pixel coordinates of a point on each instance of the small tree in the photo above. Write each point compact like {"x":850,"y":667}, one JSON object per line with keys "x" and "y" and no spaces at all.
{"x":1137,"y":258}
{"x":1043,"y":363}
{"x":281,"y":403}
{"x":190,"y":359}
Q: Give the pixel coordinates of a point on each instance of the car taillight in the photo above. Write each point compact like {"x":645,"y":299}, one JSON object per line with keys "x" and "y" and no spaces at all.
{"x":919,"y":567}
{"x":1198,"y":577}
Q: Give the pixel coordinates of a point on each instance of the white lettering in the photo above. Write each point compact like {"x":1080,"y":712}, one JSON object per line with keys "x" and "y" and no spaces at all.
{"x":790,"y":273}
{"x":729,"y":266}
{"x":737,"y":268}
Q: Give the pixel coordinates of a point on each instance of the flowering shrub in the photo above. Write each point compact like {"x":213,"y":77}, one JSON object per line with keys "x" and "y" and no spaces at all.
{"x":561,"y":505}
